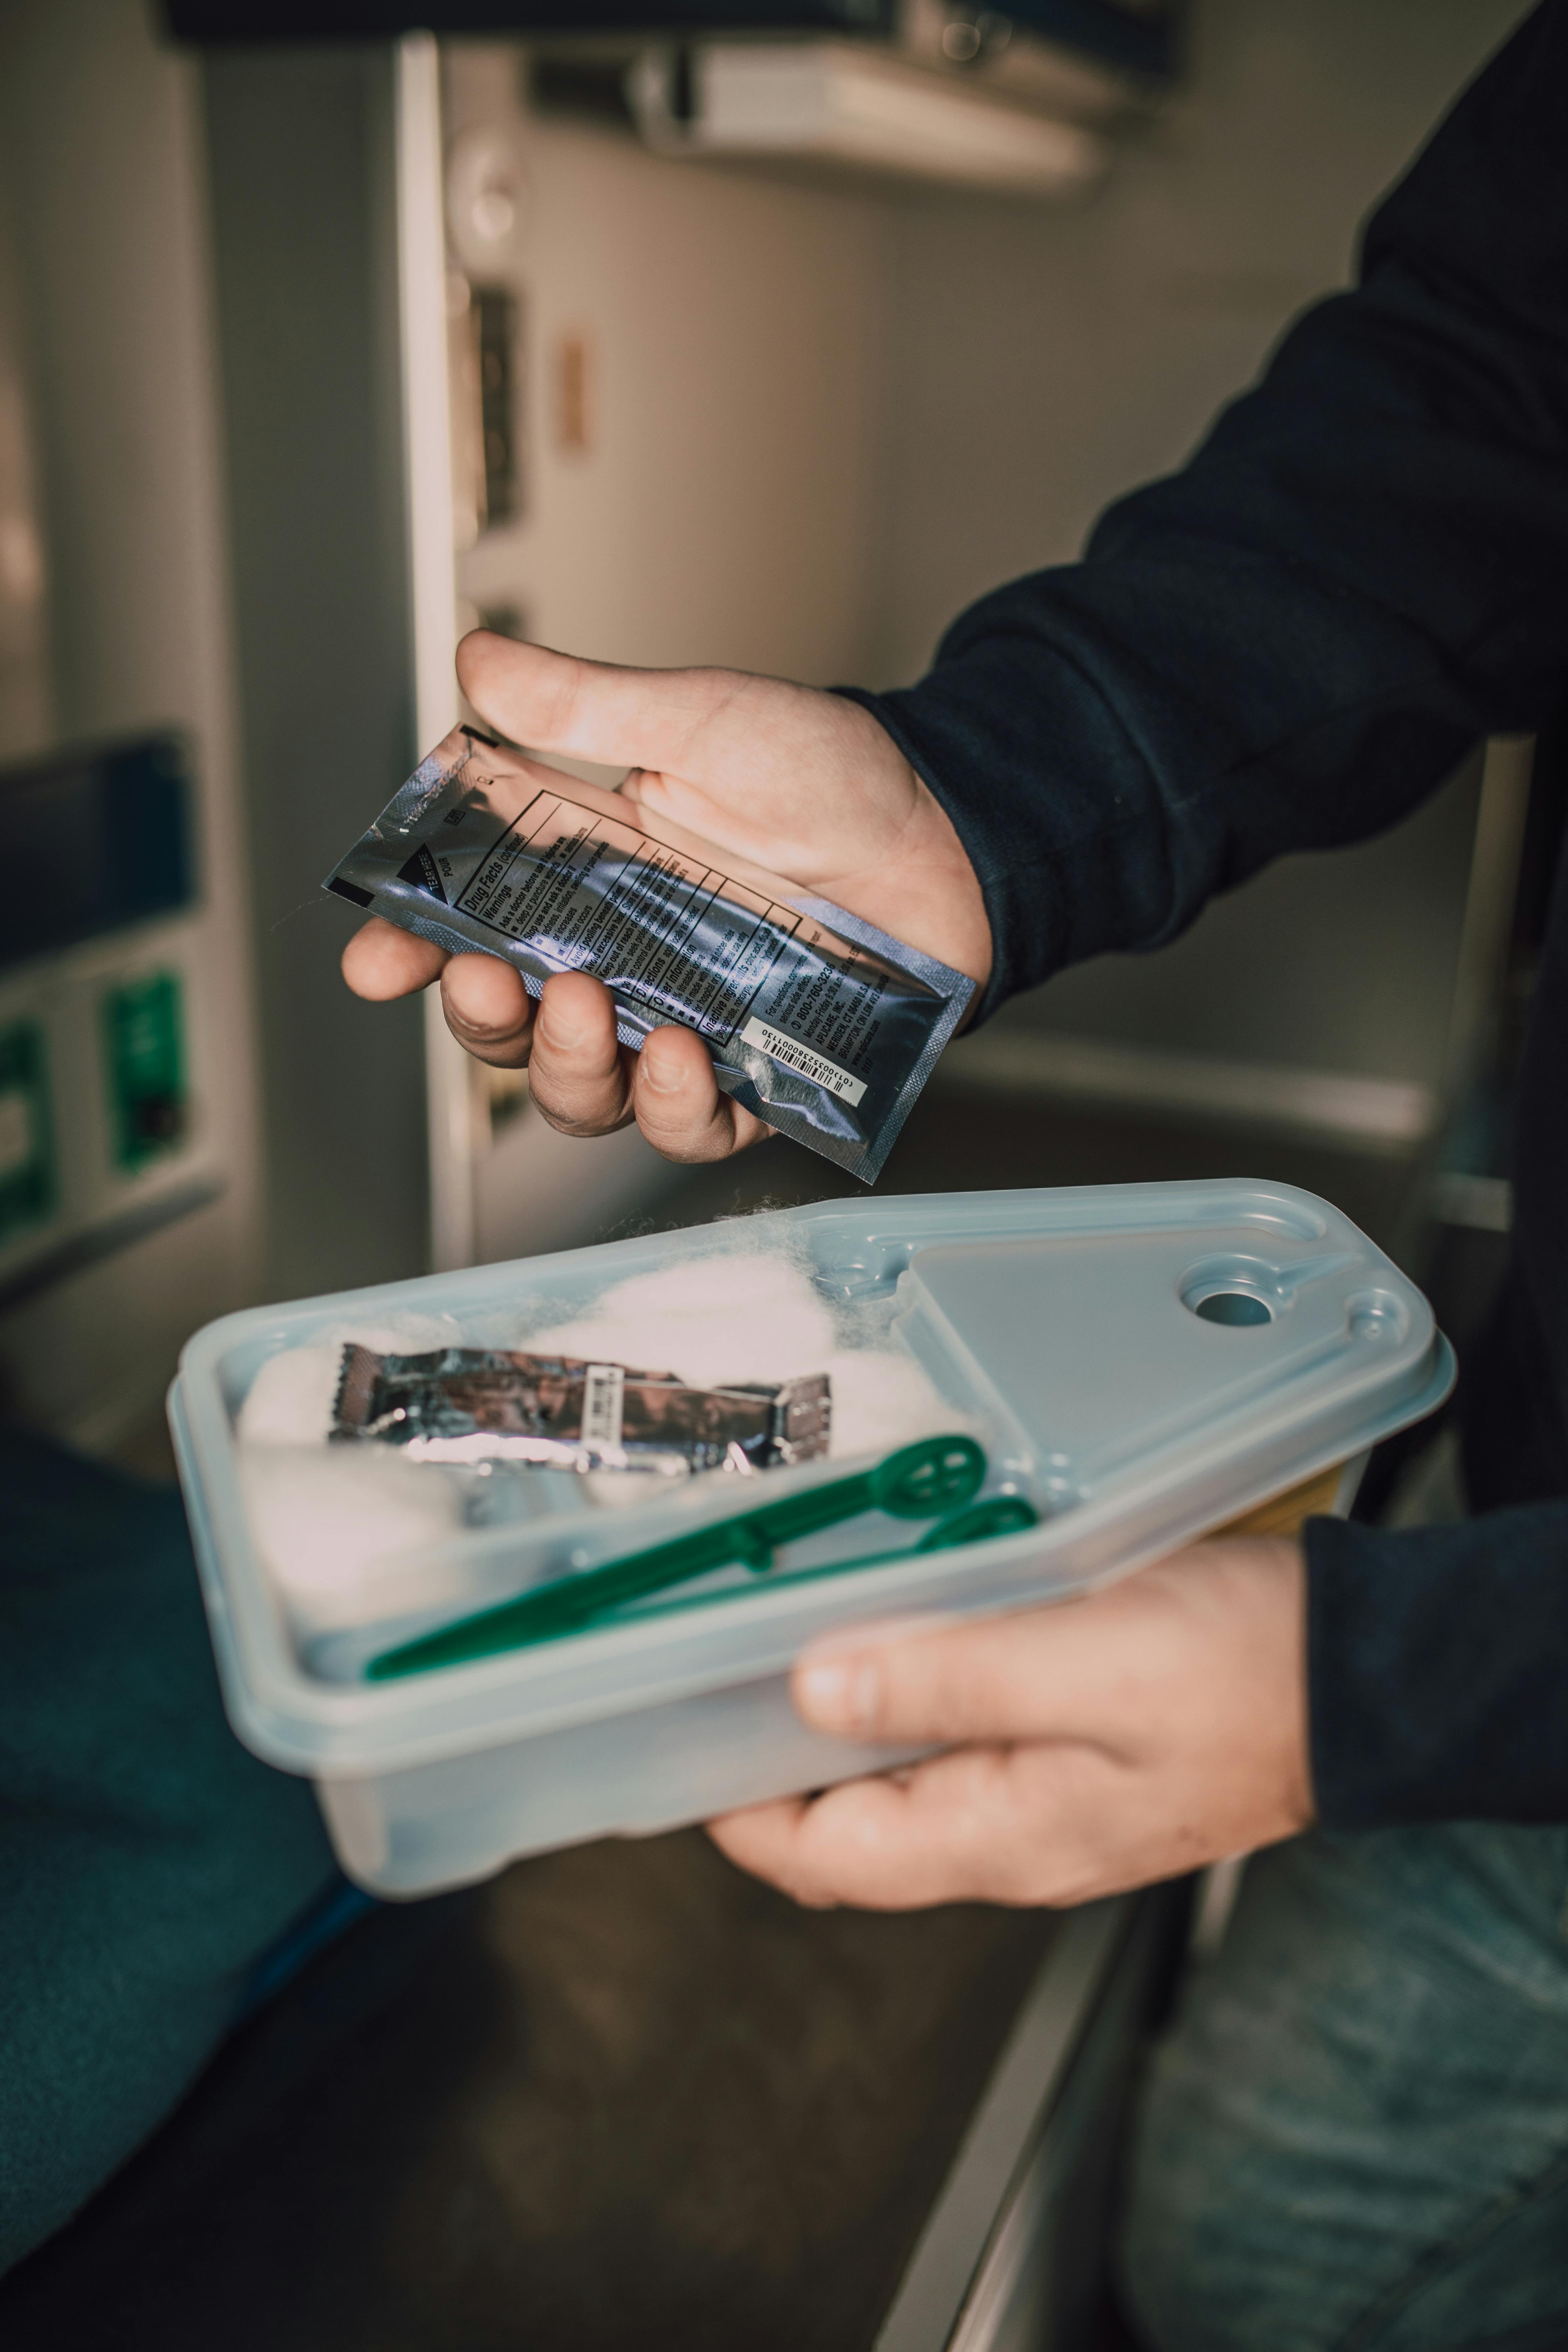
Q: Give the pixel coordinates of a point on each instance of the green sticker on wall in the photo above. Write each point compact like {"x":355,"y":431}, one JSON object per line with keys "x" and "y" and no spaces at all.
{"x":144,"y":1038}
{"x":30,"y":1193}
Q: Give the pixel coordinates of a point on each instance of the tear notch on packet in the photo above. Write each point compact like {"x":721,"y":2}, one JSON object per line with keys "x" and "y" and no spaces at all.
{"x":482,"y":1404}
{"x":822,"y":1025}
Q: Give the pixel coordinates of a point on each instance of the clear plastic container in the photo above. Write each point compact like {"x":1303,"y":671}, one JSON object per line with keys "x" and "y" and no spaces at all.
{"x":1141,"y":1362}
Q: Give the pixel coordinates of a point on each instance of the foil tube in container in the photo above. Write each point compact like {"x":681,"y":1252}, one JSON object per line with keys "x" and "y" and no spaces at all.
{"x":497,"y":1404}
{"x":822,"y":1025}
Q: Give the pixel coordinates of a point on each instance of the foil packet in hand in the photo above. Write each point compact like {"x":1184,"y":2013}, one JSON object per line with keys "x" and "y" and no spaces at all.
{"x":822,"y":1025}
{"x":493,"y":1404}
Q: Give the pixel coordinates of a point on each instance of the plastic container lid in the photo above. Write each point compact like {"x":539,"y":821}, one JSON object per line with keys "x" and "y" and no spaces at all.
{"x":1140,"y":1362}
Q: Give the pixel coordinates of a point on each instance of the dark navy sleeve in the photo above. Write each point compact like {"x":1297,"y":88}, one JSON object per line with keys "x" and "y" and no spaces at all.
{"x":1437,"y":1669}
{"x":1289,"y":643}
{"x":1286,"y":645}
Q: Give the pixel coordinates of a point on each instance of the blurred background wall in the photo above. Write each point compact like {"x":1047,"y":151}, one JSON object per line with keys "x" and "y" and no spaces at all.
{"x":1049,"y":359}
{"x":116,"y":600}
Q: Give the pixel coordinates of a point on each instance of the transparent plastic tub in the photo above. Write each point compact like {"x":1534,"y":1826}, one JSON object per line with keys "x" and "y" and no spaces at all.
{"x":1143,"y":1363}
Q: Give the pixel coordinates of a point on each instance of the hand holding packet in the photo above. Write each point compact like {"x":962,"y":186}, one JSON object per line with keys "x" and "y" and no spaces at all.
{"x":822,"y":1025}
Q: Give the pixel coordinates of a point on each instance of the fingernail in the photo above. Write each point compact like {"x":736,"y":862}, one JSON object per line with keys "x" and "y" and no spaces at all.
{"x":842,"y":1693}
{"x":662,"y":1081}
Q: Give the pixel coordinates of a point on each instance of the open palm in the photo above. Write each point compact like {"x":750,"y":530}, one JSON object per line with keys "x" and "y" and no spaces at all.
{"x":801,"y":783}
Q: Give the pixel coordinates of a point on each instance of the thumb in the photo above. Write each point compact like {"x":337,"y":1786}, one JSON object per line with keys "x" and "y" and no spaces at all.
{"x":593,"y":710}
{"x":959,"y":1684}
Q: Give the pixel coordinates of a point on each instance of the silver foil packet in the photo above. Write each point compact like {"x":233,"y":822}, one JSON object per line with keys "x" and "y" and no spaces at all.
{"x":487,"y":1404}
{"x":822,"y":1025}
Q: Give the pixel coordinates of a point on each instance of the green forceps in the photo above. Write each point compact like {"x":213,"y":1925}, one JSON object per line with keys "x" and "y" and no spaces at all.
{"x":938,"y":1477}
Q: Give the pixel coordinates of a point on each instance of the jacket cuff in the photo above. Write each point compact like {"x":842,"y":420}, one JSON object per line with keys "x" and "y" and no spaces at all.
{"x":1027,"y":760}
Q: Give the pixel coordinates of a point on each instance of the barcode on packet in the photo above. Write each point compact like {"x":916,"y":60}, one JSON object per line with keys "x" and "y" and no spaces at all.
{"x":604,"y":1400}
{"x":797,"y":1056}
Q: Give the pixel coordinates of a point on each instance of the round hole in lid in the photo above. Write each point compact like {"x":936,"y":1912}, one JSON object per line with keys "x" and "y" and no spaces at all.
{"x":1234,"y":1309}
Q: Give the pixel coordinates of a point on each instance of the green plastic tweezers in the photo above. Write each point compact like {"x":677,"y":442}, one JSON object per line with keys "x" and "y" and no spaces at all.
{"x":936,"y":1479}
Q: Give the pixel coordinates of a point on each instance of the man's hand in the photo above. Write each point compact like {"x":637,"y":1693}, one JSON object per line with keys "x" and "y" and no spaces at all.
{"x":1094,"y":1745}
{"x":804,"y":783}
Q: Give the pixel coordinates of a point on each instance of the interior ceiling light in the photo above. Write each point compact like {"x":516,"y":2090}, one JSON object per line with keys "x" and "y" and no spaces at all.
{"x":847,"y":105}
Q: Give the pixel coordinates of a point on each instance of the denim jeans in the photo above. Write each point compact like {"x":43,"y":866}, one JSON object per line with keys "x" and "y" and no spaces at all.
{"x":1355,"y":2138}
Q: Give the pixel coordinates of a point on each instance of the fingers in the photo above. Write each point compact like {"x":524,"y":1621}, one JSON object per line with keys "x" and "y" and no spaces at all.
{"x":679,"y":1104}
{"x":1130,"y":1737}
{"x":555,"y":702}
{"x":583,"y":1081}
{"x":488,"y":1010}
{"x":860,"y":1844}
{"x":381,"y":962}
{"x":994,"y":1680}
{"x":768,"y":1841}
{"x":1104,"y":1667}
{"x":963,"y":1827}
{"x":580,"y":1074}
{"x":586,"y":1083}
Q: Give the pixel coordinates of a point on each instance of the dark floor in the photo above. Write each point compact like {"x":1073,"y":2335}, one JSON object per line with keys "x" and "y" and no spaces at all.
{"x":624,"y":2097}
